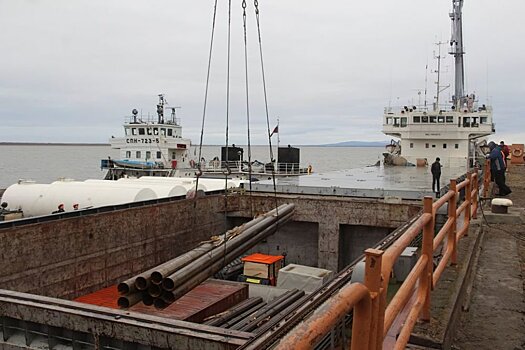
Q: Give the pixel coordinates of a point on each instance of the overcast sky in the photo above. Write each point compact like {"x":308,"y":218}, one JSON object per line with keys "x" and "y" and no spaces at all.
{"x":71,"y":70}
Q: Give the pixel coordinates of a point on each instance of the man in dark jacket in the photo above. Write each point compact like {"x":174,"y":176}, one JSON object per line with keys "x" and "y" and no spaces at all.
{"x":435,"y":169}
{"x":498,"y":167}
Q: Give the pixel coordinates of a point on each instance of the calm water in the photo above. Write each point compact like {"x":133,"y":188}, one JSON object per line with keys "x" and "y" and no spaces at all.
{"x":45,"y":164}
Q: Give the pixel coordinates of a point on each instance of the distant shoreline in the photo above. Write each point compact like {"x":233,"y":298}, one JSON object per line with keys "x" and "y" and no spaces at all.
{"x":51,"y":144}
{"x":371,"y":144}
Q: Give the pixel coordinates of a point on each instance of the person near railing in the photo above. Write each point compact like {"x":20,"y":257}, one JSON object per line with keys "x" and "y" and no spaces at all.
{"x":497,"y":168}
{"x":435,"y":169}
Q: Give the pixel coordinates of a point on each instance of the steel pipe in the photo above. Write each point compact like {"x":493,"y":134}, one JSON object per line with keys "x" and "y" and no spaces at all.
{"x":127,"y":287}
{"x":129,"y":300}
{"x":233,"y":312}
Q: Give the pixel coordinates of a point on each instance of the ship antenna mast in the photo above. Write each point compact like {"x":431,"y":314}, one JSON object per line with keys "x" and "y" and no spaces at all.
{"x":456,"y":49}
{"x":439,"y":88}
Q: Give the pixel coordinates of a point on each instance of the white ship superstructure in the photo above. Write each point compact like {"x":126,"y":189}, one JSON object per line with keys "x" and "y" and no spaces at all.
{"x":449,"y":131}
{"x":151,"y":147}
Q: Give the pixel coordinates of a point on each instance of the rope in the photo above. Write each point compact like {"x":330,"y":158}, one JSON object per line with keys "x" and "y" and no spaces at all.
{"x":272,"y":159}
{"x":247,"y":104}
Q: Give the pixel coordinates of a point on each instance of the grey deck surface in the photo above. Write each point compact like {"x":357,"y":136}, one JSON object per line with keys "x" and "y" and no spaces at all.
{"x":375,"y":181}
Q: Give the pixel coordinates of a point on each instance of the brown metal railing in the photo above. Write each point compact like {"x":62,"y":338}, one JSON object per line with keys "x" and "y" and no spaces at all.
{"x":373,"y":316}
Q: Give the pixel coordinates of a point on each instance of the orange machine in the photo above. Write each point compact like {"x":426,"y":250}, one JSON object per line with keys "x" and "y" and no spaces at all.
{"x":261,"y":268}
{"x":516,"y":153}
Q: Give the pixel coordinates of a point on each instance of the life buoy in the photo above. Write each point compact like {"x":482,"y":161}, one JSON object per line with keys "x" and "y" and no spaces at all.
{"x":517,"y":152}
{"x":192,"y":163}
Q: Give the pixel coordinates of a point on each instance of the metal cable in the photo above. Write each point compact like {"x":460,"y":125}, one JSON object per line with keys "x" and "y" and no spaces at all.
{"x":227,"y":130}
{"x":247,"y":104}
{"x":272,"y":160}
{"x":199,"y":167}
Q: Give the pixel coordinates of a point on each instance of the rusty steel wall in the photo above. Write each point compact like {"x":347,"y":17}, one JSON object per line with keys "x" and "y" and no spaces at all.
{"x":329,"y":213}
{"x":77,"y":255}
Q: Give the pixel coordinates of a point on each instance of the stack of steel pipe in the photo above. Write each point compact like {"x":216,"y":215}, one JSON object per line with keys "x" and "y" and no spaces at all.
{"x":253,"y":313}
{"x":163,"y":284}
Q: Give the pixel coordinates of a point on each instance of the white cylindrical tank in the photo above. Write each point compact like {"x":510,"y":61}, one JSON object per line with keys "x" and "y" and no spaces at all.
{"x":209,"y":184}
{"x":39,"y":199}
{"x":161,"y":190}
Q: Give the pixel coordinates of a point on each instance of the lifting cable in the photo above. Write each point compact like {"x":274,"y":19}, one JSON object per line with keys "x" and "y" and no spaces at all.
{"x":272,"y":159}
{"x":247,"y":104}
{"x":227,"y":172}
{"x":199,"y":165}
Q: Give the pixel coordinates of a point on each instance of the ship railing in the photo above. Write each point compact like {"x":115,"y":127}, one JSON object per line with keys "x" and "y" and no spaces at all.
{"x":149,"y":119}
{"x":257,"y":167}
{"x":442,"y":108}
{"x":373,"y":316}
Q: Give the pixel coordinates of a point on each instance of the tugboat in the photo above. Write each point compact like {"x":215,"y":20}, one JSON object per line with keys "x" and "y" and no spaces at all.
{"x":151,"y":147}
{"x":453,"y":132}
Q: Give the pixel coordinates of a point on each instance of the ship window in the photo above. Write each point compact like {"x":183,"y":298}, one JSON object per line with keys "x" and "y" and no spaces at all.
{"x":159,"y":154}
{"x":163,"y":132}
{"x":396,"y":121}
{"x":134,"y":131}
{"x":426,"y":145}
{"x":411,"y":145}
{"x":156,"y":131}
{"x":173,"y":155}
{"x":127,"y":131}
{"x":128,"y":154}
{"x":456,"y":146}
{"x":149,"y":131}
{"x":403,"y":122}
{"x":441,"y":119}
{"x":170,"y":132}
{"x":466,"y":122}
{"x":444,"y":145}
{"x":483,"y":120}
{"x":416,"y":119}
{"x":433,"y":146}
{"x":424,"y":119}
{"x":388,"y":120}
{"x":450,"y":119}
{"x":141,"y":131}
{"x":148,"y":155}
{"x":433,"y":118}
{"x":138,"y":155}
{"x":475,"y":122}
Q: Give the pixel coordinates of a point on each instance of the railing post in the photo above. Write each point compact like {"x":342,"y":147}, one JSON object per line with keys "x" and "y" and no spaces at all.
{"x":486,"y":178}
{"x":451,"y":236}
{"x":475,"y":186}
{"x":468,"y":199}
{"x":427,"y":249}
{"x":373,"y":283}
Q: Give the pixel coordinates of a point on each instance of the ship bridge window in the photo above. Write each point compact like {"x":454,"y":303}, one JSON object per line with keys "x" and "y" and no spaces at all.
{"x":159,"y":154}
{"x":403,"y":122}
{"x":141,"y":131}
{"x":483,"y":120}
{"x":163,"y":132}
{"x":388,"y":121}
{"x":433,"y":118}
{"x":155,"y":131}
{"x":170,"y":132}
{"x":149,"y":131}
{"x":138,"y":155}
{"x":424,"y":119}
{"x":475,"y":122}
{"x":148,"y":155}
{"x":128,"y":131}
{"x":441,"y":119}
{"x":416,"y":119}
{"x":466,"y":122}
{"x":450,"y":119}
{"x":128,"y":154}
{"x":396,"y":121}
{"x":134,"y":131}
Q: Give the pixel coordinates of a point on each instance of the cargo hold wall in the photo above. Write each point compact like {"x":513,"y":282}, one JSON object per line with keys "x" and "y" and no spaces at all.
{"x":80,"y":254}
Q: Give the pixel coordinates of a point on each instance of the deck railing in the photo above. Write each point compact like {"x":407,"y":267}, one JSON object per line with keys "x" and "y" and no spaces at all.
{"x":373,"y":316}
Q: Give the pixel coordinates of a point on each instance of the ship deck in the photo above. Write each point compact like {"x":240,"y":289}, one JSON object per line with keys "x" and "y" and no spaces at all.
{"x":374,"y":181}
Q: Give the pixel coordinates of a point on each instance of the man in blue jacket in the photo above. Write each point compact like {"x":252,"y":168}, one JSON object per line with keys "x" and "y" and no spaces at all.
{"x":498,"y":167}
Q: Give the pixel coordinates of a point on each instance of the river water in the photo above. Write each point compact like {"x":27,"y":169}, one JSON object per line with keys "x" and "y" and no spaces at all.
{"x":47,"y":163}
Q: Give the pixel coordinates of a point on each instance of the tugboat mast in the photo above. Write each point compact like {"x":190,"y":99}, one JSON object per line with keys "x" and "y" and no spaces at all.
{"x":456,"y":49}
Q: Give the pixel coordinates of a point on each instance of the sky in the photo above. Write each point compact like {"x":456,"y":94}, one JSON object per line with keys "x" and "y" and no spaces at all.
{"x":71,"y":71}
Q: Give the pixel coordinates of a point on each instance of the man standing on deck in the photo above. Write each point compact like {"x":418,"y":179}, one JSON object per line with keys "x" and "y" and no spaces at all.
{"x":436,"y":174}
{"x":497,"y":168}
